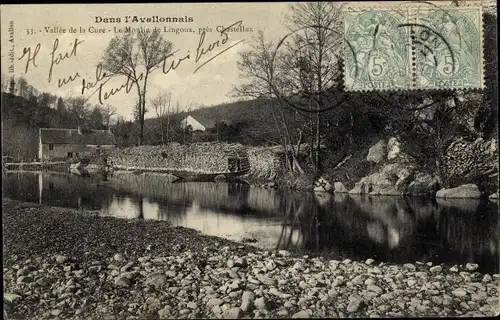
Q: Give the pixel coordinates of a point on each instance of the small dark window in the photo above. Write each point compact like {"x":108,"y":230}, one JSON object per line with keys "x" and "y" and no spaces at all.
{"x":51,"y":146}
{"x":51,"y":185}
{"x":70,"y":154}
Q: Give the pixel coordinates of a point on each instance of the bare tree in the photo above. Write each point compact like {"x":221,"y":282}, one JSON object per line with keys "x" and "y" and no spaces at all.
{"x":79,"y":109}
{"x":267,"y":81}
{"x":301,"y":71}
{"x":162,"y":105}
{"x":107,"y":112}
{"x":136,"y":56}
{"x":312,"y":58}
{"x":22,"y":86}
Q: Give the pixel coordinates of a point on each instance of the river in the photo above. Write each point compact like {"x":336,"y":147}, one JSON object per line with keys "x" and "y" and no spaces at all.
{"x":393,"y":229}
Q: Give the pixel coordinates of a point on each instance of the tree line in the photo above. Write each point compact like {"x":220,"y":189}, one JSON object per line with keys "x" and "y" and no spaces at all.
{"x":297,"y":85}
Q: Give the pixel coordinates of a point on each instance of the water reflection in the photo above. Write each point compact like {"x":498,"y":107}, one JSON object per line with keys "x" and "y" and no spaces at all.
{"x":389,"y":228}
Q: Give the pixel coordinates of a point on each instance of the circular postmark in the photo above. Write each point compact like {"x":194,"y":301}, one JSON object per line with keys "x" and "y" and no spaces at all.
{"x":312,"y":56}
{"x":417,"y":49}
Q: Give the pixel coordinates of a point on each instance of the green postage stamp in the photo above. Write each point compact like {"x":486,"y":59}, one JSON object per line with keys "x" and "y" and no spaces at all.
{"x":415,"y":47}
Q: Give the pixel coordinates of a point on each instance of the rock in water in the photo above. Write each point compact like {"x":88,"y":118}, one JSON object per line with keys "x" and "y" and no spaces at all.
{"x":338,"y":187}
{"x":321,"y":185}
{"x":464,"y":191}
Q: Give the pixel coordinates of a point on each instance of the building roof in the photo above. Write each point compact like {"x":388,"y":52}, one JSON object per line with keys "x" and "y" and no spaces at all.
{"x":207,"y":123}
{"x":71,"y":136}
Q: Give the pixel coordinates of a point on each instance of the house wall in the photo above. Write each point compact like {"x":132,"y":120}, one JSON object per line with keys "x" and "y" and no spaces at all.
{"x":61,"y":150}
{"x":195,"y":125}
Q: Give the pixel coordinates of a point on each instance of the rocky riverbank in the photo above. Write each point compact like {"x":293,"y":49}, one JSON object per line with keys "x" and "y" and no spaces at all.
{"x":61,"y":263}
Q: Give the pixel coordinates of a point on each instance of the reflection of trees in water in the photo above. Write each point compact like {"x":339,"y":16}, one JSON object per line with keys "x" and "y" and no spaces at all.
{"x":295,"y":210}
{"x":471,"y":235}
{"x":57,"y":189}
{"x":395,"y":228}
{"x":216,"y":196}
{"x":22,"y":186}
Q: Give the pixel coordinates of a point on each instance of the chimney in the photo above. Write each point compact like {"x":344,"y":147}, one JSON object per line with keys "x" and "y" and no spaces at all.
{"x":109,"y":130}
{"x":79,"y":129}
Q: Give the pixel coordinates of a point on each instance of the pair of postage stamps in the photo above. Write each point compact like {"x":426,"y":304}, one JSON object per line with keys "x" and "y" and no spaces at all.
{"x":413,"y":47}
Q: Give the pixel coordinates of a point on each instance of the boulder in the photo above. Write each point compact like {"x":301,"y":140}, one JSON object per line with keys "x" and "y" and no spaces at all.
{"x":494,"y":195}
{"x":321,"y":185}
{"x":338,"y":187}
{"x":423,"y":184}
{"x":377,"y":152}
{"x":464,"y":191}
{"x":391,"y":179}
{"x":393,"y":148}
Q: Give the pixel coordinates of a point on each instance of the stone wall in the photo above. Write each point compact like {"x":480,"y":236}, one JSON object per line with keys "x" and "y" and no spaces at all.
{"x":208,"y":157}
{"x":467,"y":161}
{"x":266,"y":162}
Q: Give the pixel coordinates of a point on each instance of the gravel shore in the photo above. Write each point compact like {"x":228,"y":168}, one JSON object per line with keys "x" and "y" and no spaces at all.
{"x":62,"y":263}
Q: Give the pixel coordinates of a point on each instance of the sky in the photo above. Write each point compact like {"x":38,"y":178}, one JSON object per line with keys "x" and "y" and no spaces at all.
{"x":211,"y":84}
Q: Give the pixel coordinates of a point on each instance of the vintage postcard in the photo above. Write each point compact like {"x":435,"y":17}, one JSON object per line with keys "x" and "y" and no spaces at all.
{"x":250,"y":160}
